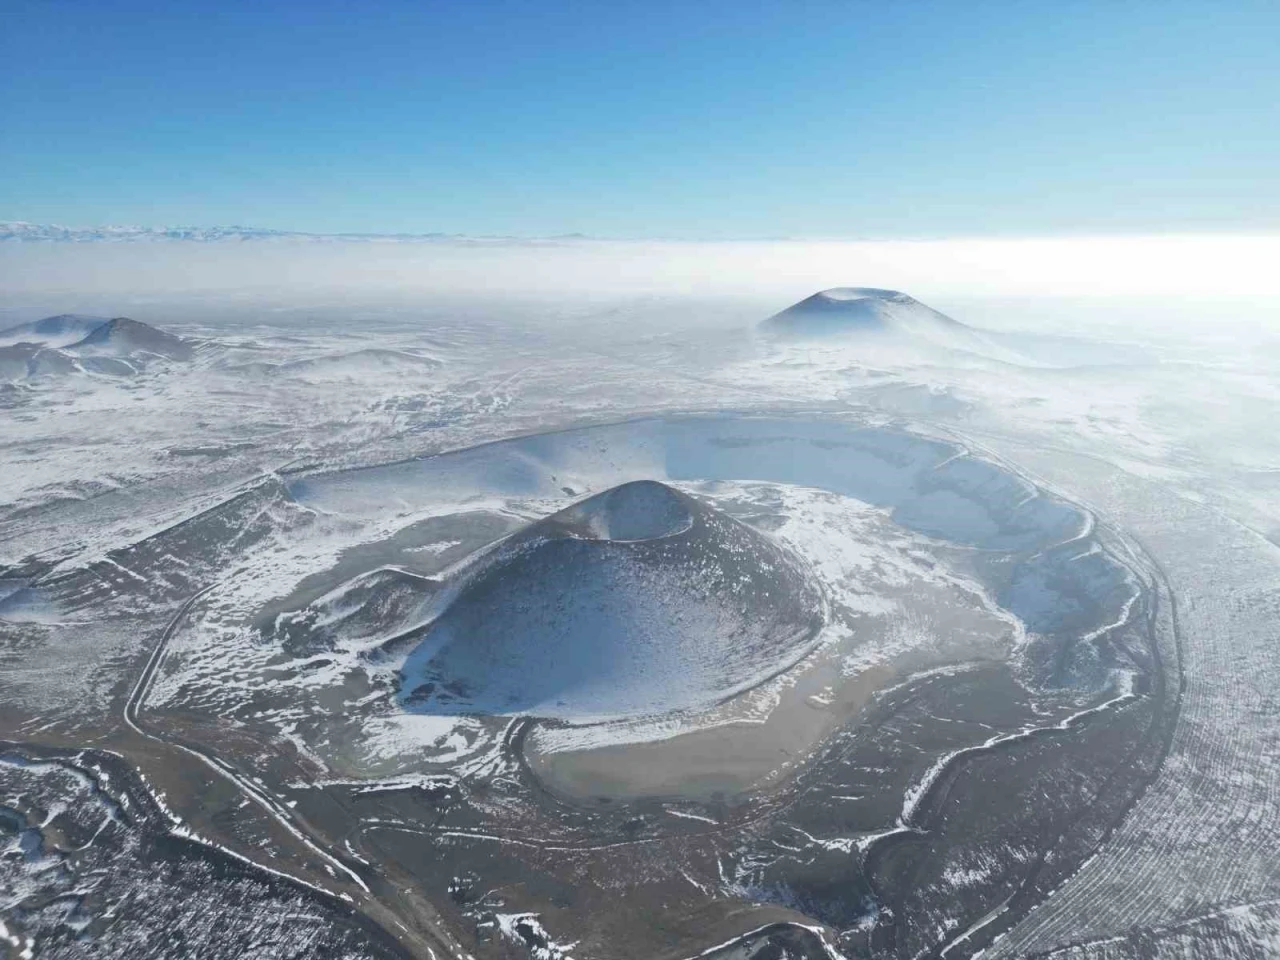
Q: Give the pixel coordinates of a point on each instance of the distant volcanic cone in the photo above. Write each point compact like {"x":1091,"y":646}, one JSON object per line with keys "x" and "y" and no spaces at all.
{"x":123,"y":337}
{"x":59,"y":331}
{"x":859,"y":310}
{"x":636,"y":601}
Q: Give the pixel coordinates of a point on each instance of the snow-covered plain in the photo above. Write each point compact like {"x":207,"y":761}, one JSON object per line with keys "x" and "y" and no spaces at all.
{"x":283,"y":455}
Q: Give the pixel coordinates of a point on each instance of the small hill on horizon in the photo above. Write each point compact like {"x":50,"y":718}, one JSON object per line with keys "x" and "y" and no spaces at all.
{"x":60,"y":331}
{"x":69,"y":344}
{"x":892,"y":326}
{"x":845,"y":310}
{"x":124,"y":337}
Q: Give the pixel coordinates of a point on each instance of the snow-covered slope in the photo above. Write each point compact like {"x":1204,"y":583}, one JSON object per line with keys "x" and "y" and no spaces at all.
{"x":125,"y":337}
{"x":843,"y":310}
{"x":637,"y":601}
{"x":890,"y":325}
{"x":23,"y":361}
{"x":353,"y":366}
{"x":60,"y":331}
{"x":881,"y":320}
{"x":73,"y":344}
{"x":368,"y":611}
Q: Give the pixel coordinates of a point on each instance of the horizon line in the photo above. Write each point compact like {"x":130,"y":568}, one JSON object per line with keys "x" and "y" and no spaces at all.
{"x":30,"y":231}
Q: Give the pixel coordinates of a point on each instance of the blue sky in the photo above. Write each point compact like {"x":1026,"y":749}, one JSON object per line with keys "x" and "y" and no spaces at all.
{"x":692,"y":120}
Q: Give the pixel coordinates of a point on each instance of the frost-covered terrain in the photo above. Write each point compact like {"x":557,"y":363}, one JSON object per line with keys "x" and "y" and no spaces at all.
{"x":586,"y":627}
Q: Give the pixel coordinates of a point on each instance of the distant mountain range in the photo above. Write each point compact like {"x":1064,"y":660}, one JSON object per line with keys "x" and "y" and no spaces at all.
{"x":21,"y":231}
